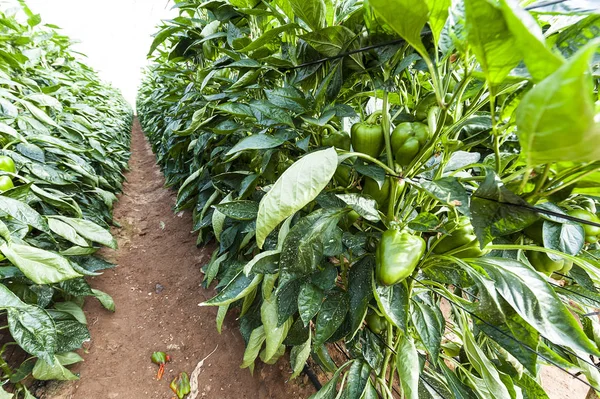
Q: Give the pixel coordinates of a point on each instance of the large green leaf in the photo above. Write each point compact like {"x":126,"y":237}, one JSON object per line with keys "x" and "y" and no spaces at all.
{"x":438,"y":14}
{"x":40,"y":266}
{"x":330,"y":317}
{"x":89,"y":230}
{"x":414,"y":14}
{"x":45,"y":371}
{"x":33,"y":329}
{"x":296,"y":187}
{"x":536,"y":302}
{"x":312,"y":12}
{"x":23,"y":213}
{"x":530,"y":41}
{"x":298,"y":357}
{"x":408,"y":366}
{"x":309,"y":302}
{"x":274,"y":333}
{"x":555,"y":119}
{"x":240,"y":286}
{"x":491,"y":40}
{"x":484,"y":367}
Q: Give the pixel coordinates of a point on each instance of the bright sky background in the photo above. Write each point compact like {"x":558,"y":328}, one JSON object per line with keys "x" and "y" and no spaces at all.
{"x":114,"y":34}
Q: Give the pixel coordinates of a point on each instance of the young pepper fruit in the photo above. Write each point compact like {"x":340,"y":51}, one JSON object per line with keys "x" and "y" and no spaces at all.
{"x":367,"y":137}
{"x":591,"y":232}
{"x":542,"y":263}
{"x":408,"y":138}
{"x":397,"y":255}
{"x":181,"y":385}
{"x":462,"y":235}
{"x":376,"y":323}
{"x":336,"y":139}
{"x":160,"y":358}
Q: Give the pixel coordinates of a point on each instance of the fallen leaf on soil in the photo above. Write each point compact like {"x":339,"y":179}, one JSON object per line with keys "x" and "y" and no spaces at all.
{"x":196,"y":373}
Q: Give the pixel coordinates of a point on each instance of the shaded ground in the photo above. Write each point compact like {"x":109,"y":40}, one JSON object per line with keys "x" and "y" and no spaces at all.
{"x":156,"y":288}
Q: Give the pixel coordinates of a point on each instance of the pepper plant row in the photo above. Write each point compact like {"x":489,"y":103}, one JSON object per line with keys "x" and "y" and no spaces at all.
{"x":64,"y":139}
{"x":411,"y":202}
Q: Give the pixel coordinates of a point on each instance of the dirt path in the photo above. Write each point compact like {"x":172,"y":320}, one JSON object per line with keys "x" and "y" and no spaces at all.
{"x":156,"y":288}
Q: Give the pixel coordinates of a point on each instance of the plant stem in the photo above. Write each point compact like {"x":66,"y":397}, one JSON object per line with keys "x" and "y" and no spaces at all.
{"x":540,"y":183}
{"x":525,"y":179}
{"x":346,"y":154}
{"x":575,"y":180}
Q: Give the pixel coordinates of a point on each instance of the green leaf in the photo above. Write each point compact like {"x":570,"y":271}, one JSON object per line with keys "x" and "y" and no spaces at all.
{"x":40,"y":266}
{"x":309,"y":302}
{"x":268,"y":114}
{"x":449,"y":191}
{"x":312,"y":12}
{"x":358,"y":378}
{"x":551,"y":129}
{"x":564,"y":237}
{"x":298,"y":357}
{"x":414,"y":17}
{"x":430,"y":325}
{"x":530,"y":387}
{"x":424,"y":221}
{"x":256,"y":142}
{"x":408,"y":366}
{"x":105,"y":299}
{"x":44,"y":371}
{"x":89,"y":230}
{"x":67,"y":232}
{"x":496,"y":211}
{"x":221,"y":313}
{"x":360,"y":291}
{"x":23,"y":213}
{"x":288,"y":98}
{"x":240,"y":286}
{"x":330,"y":41}
{"x":257,"y":337}
{"x":267,"y":37}
{"x":5,"y":395}
{"x":438,"y":14}
{"x":304,"y":246}
{"x":330,"y":317}
{"x":393,"y":303}
{"x":68,"y":358}
{"x":530,"y":41}
{"x":33,"y":329}
{"x":484,"y":367}
{"x":536,"y":302}
{"x":73,"y":309}
{"x":365,"y":207}
{"x":275,"y":334}
{"x":239,"y":210}
{"x":491,"y":40}
{"x":296,"y":187}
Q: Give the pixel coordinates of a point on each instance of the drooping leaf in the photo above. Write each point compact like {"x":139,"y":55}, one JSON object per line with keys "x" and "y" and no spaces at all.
{"x":491,"y":40}
{"x":551,"y":129}
{"x":536,"y":302}
{"x":40,"y":266}
{"x":414,"y":17}
{"x":296,"y":187}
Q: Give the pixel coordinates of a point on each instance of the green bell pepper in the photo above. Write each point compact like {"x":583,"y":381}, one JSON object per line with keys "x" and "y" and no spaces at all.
{"x":591,"y":232}
{"x":462,"y":235}
{"x":542,"y":263}
{"x":367,"y":137}
{"x":408,"y":138}
{"x":336,"y":139}
{"x":397,"y":255}
{"x":376,"y":323}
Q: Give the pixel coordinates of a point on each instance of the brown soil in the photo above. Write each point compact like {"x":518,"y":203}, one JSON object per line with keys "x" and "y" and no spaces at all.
{"x":157,"y":249}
